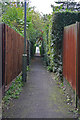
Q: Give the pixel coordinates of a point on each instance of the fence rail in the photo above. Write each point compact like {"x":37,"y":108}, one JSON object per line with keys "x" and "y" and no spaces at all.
{"x":13,"y":46}
{"x":71,"y":55}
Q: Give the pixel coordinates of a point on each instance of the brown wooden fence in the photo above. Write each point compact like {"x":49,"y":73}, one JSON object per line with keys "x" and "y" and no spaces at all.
{"x":71,"y":56}
{"x":13,"y":46}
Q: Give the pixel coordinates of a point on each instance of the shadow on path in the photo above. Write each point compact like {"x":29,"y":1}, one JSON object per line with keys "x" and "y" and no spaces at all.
{"x":40,"y":98}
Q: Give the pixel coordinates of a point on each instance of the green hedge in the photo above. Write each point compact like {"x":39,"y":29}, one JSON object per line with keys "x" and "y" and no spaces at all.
{"x":52,"y":49}
{"x":40,"y":49}
{"x":60,"y":20}
{"x":32,"y":49}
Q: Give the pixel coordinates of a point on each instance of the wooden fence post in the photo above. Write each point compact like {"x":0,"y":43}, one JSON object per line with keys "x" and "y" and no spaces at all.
{"x":76,"y":63}
{"x":0,"y":69}
{"x":0,"y":55}
{"x":3,"y":58}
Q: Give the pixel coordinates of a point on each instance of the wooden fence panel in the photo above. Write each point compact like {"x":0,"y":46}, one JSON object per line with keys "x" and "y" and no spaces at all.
{"x":14,"y":47}
{"x":71,"y":57}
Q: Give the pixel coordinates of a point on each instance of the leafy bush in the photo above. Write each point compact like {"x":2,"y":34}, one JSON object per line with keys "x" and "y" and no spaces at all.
{"x":49,"y":68}
{"x":40,"y":49}
{"x":13,"y":91}
{"x":14,"y":17}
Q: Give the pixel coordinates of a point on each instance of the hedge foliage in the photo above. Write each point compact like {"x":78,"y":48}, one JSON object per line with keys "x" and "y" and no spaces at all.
{"x":55,"y":38}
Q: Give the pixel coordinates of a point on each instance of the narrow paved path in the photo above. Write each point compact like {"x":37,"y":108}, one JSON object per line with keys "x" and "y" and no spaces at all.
{"x":40,"y":98}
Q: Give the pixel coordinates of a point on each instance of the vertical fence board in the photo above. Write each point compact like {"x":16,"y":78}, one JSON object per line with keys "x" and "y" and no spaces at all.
{"x":0,"y":56}
{"x":78,"y":37}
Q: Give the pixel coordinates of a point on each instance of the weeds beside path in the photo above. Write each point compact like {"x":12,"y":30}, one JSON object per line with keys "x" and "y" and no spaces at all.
{"x":40,"y":98}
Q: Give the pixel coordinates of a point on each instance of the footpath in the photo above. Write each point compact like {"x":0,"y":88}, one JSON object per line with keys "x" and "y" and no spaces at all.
{"x":40,"y":97}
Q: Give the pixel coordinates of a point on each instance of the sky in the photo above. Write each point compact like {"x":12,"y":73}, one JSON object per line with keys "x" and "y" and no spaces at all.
{"x":43,"y":6}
